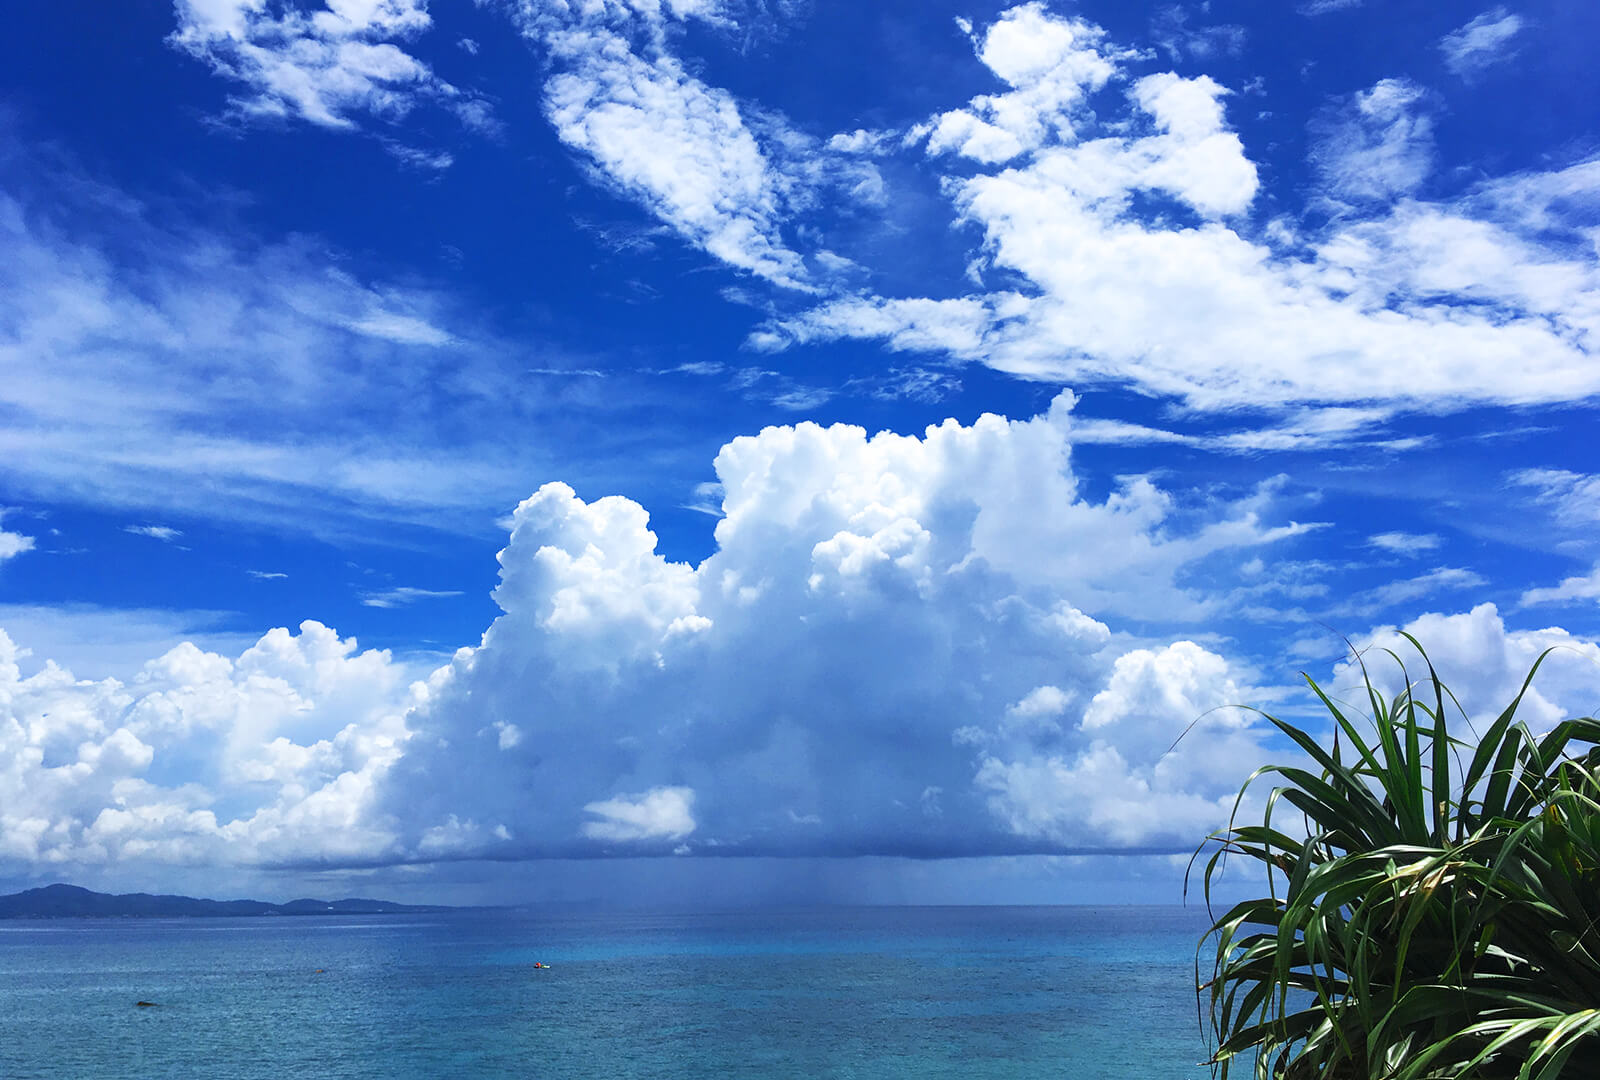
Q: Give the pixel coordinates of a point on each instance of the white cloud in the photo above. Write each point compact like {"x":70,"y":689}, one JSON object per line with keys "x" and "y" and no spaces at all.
{"x":901,"y":646}
{"x":165,"y":533}
{"x":1165,"y":740}
{"x":267,"y":575}
{"x":1579,"y":588}
{"x":679,"y":146}
{"x":1404,"y":591}
{"x":1484,"y":664}
{"x":663,"y":813}
{"x":1323,"y":7}
{"x":1118,"y":260}
{"x":724,"y":176}
{"x":1377,"y":145}
{"x":1404,"y":543}
{"x":278,"y":424}
{"x":1481,"y":43}
{"x":404,"y":596}
{"x":804,"y":689}
{"x":269,"y":758}
{"x":12,"y":544}
{"x":326,"y":65}
{"x":1052,"y":65}
{"x":1574,"y":498}
{"x":882,"y":616}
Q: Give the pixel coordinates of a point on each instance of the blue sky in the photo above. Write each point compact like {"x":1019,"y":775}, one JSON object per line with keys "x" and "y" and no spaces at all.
{"x":763,"y":447}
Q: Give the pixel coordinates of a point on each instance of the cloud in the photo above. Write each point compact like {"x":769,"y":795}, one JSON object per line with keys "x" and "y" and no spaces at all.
{"x":1481,"y":43}
{"x":165,"y":533}
{"x":1484,"y":664}
{"x":663,"y":813}
{"x":1171,"y":30}
{"x":403,"y":596}
{"x":1395,"y":593}
{"x":1116,"y":251}
{"x":883,"y":616}
{"x":198,"y":759}
{"x":1052,"y":65}
{"x":1403,"y":543}
{"x":1323,"y":7}
{"x":267,"y":575}
{"x":1574,"y":498}
{"x":1131,"y":781}
{"x":13,"y":544}
{"x":677,"y":145}
{"x":725,"y":177}
{"x":1583,"y":587}
{"x":327,"y":66}
{"x":902,"y":645}
{"x":1378,"y":145}
{"x":304,"y":413}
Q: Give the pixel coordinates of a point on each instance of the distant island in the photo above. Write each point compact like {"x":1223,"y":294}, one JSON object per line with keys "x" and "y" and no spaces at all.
{"x":70,"y":901}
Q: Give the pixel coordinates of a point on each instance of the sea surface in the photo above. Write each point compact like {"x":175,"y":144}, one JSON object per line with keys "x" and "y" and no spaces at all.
{"x":1071,"y":992}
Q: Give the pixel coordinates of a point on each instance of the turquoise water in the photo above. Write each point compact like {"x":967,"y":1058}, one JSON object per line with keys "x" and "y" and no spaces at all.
{"x":975,"y":993}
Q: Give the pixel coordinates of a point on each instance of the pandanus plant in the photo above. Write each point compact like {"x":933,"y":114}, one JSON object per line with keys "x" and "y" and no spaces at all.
{"x":1432,"y":899}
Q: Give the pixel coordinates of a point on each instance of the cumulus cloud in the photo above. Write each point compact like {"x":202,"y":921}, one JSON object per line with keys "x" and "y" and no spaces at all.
{"x":12,"y":544}
{"x":327,"y":65}
{"x":1481,"y":43}
{"x":902,"y":645}
{"x":1120,"y":254}
{"x":660,"y":813}
{"x":1164,"y":741}
{"x":1484,"y":664}
{"x":266,"y":759}
{"x":1052,"y":65}
{"x":883,"y":617}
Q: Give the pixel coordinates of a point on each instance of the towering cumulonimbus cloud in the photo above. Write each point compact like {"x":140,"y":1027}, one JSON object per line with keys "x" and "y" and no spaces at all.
{"x":901,"y":645}
{"x":885,"y":654}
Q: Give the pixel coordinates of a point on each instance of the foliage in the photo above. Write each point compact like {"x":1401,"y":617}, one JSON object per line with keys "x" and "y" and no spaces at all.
{"x":1432,"y":911}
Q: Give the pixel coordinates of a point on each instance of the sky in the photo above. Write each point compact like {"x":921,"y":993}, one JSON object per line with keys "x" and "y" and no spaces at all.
{"x":723,"y":451}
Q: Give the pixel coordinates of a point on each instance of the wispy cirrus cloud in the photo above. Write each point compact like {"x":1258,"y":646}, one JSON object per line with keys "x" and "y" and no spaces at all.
{"x":301,"y":413}
{"x":404,"y":596}
{"x":1481,"y":43}
{"x":333,"y":65}
{"x":1376,"y":145}
{"x":165,"y":533}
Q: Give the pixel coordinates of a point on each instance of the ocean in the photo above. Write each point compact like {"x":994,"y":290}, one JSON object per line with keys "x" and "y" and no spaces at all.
{"x":1081,"y":993}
